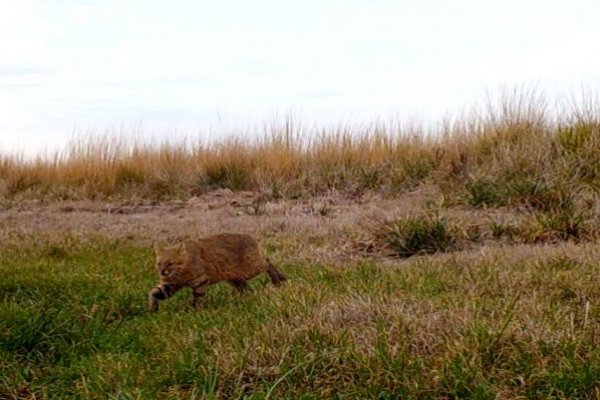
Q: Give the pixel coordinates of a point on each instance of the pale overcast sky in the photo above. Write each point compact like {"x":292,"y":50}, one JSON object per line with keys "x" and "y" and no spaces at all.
{"x":188,"y":66}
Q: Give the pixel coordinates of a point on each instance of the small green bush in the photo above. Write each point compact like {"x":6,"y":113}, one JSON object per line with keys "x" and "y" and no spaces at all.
{"x":484,"y":192}
{"x":561,"y":225}
{"x":418,"y":235}
{"x":501,"y":230}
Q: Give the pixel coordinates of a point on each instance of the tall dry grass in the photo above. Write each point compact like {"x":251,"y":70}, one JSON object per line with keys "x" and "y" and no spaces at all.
{"x":515,"y":143}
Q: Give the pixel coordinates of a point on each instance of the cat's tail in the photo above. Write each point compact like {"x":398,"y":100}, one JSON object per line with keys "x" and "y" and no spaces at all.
{"x":276,"y":277}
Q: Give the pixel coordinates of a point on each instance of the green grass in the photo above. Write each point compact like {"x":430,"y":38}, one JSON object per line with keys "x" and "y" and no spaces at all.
{"x":73,"y":324}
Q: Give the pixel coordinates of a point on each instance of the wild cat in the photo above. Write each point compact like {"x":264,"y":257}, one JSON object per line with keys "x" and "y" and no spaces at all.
{"x":230,"y":257}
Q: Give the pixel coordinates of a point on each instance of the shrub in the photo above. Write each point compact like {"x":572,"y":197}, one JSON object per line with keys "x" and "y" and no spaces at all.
{"x":232,"y":176}
{"x":484,"y":192}
{"x":564,"y":224}
{"x":417,"y":235}
{"x":500,"y":230}
{"x":539,"y":194}
{"x":128,"y":177}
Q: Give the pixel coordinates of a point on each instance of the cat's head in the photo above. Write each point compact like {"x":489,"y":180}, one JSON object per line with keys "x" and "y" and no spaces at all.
{"x":170,"y":262}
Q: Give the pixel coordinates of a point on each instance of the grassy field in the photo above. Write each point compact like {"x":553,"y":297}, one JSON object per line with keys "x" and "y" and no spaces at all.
{"x":460,"y":263}
{"x":73,"y":324}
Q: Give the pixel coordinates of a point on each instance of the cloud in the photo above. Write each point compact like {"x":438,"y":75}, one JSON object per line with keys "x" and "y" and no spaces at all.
{"x":25,"y":32}
{"x":22,"y":77}
{"x":319,"y":95}
{"x":22,"y":71}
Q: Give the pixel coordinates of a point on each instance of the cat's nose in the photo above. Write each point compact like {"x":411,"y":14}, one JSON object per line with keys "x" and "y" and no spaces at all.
{"x":164,"y":273}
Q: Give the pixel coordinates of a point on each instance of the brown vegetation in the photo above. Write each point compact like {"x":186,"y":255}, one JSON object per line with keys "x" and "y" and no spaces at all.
{"x":517,"y":153}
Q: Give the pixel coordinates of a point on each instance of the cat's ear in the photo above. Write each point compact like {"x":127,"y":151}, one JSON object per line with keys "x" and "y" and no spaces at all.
{"x":157,"y":248}
{"x":180,"y":248}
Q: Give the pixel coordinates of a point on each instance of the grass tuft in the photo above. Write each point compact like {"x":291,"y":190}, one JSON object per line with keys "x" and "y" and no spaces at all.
{"x":422,"y":234}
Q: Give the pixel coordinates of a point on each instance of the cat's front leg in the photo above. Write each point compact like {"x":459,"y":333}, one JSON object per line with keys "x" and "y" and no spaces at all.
{"x":161,"y":292}
{"x":199,"y":290}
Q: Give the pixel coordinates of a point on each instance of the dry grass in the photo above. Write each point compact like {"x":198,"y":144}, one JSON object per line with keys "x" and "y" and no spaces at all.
{"x":498,"y":156}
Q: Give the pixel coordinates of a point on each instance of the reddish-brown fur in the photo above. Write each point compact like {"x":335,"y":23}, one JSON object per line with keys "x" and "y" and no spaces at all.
{"x":230,"y":257}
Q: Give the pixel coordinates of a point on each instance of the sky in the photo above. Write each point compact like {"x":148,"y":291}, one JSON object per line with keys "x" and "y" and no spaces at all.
{"x":205,"y":68}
